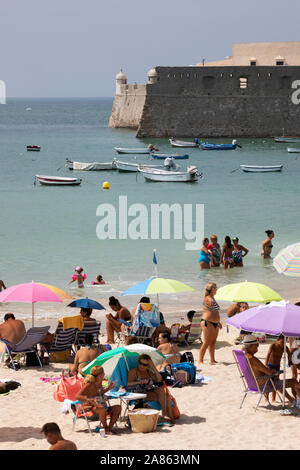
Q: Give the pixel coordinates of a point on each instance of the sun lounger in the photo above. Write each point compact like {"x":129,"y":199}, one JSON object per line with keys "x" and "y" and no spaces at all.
{"x":28,"y":344}
{"x":195,"y":330}
{"x":63,"y":340}
{"x":90,"y":328}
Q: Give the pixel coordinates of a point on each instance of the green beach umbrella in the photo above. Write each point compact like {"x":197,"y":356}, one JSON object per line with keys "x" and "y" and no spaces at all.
{"x":247,"y":292}
{"x":125,"y":357}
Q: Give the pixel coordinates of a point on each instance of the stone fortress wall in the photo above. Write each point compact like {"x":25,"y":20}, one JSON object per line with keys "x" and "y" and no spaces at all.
{"x":248,"y":94}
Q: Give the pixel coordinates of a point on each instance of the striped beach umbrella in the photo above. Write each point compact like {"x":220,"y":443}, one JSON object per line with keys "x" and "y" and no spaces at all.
{"x":288,"y":260}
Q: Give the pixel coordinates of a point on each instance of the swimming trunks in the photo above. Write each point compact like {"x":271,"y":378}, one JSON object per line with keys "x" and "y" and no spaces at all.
{"x":274,"y":367}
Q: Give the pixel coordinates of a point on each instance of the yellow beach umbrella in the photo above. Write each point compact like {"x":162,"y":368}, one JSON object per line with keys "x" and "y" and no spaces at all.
{"x":247,"y":292}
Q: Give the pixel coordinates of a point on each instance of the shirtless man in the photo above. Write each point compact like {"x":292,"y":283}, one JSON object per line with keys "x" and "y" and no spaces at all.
{"x":54,"y":437}
{"x":12,"y":330}
{"x":251,"y":347}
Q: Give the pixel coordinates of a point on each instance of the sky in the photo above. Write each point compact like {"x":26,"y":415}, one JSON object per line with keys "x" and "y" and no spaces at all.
{"x":75,"y":48}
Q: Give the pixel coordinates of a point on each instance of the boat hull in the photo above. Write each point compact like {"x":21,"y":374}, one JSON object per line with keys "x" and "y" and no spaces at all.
{"x":94,"y":166}
{"x":182,"y":144}
{"x":260,"y":169}
{"x":169,"y":176}
{"x":132,"y":167}
{"x":132,"y":151}
{"x":163,"y":156}
{"x":218,"y":146}
{"x":57,"y":180}
{"x":33,"y":148}
{"x":287,"y":140}
{"x":293,"y":150}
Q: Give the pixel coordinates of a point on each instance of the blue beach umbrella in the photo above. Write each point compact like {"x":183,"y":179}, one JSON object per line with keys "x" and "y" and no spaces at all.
{"x":86,"y":303}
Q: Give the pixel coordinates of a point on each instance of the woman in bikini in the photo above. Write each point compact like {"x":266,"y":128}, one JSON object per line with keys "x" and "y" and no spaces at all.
{"x":112,"y":323}
{"x":84,"y":355}
{"x":205,"y":255}
{"x":92,"y":397}
{"x":168,"y":349}
{"x":266,"y":247}
{"x":210,"y":323}
{"x":238,"y":252}
{"x":226,"y":256}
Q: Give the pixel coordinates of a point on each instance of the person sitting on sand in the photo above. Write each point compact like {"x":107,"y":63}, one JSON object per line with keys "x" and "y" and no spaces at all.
{"x":250,"y":346}
{"x":84,"y":355}
{"x":266,"y":247}
{"x":147,"y":377}
{"x":54,"y":437}
{"x":168,"y":349}
{"x":112,"y":323}
{"x":226,"y":256}
{"x":205,"y":255}
{"x":86,"y":314}
{"x":12,"y":330}
{"x":274,"y":356}
{"x":185,"y":329}
{"x":79,"y":276}
{"x":210,"y":323}
{"x":92,"y":396}
{"x":2,"y":285}
{"x":99,"y":281}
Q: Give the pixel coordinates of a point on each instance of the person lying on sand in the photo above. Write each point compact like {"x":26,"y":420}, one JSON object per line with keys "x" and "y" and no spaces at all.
{"x":92,"y":396}
{"x":259,"y":369}
{"x":6,"y":387}
{"x":54,"y":437}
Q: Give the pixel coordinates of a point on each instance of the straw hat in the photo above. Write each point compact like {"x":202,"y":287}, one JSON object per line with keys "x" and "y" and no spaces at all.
{"x":249,"y":340}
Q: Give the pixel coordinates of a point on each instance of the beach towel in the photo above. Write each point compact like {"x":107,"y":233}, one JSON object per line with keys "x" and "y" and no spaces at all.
{"x":146,"y":315}
{"x":72,"y":322}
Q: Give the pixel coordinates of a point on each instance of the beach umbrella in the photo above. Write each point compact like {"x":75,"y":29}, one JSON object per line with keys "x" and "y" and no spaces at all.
{"x":117,"y":362}
{"x":33,"y":292}
{"x":275,"y":318}
{"x":288,"y":260}
{"x":247,"y":292}
{"x":86,"y":303}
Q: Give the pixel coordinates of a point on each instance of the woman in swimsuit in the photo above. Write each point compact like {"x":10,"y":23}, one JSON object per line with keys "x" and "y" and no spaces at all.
{"x":226,"y":256}
{"x":112,"y":323}
{"x":168,"y":349}
{"x":92,"y":396}
{"x":267,"y":245}
{"x":238,"y":252}
{"x":84,"y":355}
{"x":210,"y":323}
{"x":215,"y":251}
{"x":205,"y":254}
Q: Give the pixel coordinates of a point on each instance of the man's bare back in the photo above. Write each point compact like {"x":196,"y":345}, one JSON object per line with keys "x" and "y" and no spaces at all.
{"x":12,"y":330}
{"x":63,"y":444}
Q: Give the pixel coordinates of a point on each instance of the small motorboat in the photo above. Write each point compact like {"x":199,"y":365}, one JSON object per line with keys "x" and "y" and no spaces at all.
{"x":260,"y":168}
{"x":33,"y":148}
{"x":140,"y":151}
{"x":293,"y":150}
{"x":57,"y":180}
{"x":287,"y":140}
{"x":163,"y":156}
{"x":95,"y":166}
{"x":133,"y":167}
{"x":182,"y":143}
{"x":191,"y":175}
{"x":207,"y":146}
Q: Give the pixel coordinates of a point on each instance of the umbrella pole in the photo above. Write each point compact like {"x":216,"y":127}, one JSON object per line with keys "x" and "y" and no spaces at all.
{"x":32,"y":314}
{"x":284,"y":371}
{"x":157,"y":301}
{"x":126,"y":361}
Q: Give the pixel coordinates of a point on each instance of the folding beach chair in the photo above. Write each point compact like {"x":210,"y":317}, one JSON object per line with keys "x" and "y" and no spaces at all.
{"x":90,"y":328}
{"x":63,"y":340}
{"x":195,"y":330}
{"x":28,"y":344}
{"x":250,"y":381}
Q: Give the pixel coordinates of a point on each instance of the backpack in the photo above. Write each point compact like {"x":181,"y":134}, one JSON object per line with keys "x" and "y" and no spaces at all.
{"x":187,"y":367}
{"x":31,"y":359}
{"x":187,"y":357}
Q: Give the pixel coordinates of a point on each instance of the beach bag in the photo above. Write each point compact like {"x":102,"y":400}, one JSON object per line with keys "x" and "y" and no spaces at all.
{"x":67,"y":388}
{"x":175,"y":409}
{"x":187,"y":357}
{"x":187,"y":367}
{"x":60,"y":356}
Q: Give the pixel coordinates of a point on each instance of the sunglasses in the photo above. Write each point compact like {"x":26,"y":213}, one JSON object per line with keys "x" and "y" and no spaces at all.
{"x":143,"y":364}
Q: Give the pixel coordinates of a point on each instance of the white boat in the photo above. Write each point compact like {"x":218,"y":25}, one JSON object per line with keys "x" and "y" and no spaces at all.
{"x":134,"y":151}
{"x":182,"y":143}
{"x":260,"y":168}
{"x":57,"y":180}
{"x":128,"y":166}
{"x":94,"y":166}
{"x":293,"y":150}
{"x":191,"y":175}
{"x":287,"y":140}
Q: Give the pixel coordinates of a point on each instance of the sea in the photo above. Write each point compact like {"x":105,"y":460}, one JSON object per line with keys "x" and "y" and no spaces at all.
{"x":47,"y":231}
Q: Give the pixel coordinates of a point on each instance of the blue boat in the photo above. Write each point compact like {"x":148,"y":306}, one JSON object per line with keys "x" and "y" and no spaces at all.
{"x":207,"y":146}
{"x":163,"y":156}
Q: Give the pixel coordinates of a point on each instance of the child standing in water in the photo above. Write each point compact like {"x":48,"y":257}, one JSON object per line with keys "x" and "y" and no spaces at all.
{"x":79,"y":276}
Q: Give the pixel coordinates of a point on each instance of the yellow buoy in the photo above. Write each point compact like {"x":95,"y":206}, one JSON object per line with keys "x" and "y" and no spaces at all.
{"x":106,"y":185}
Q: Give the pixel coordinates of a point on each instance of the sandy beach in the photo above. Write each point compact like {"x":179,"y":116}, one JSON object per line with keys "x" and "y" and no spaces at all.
{"x":210,"y":413}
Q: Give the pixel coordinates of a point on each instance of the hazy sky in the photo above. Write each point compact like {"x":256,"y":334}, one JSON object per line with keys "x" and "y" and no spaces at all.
{"x":62,"y":48}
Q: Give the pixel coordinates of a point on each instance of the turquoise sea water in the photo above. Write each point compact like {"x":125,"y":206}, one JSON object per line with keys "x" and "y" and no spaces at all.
{"x":47,"y":231}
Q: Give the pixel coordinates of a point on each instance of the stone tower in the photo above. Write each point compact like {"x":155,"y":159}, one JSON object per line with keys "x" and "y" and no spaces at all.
{"x":121,"y":79}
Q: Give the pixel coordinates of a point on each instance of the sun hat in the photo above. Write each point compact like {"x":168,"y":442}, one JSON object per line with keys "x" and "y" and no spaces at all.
{"x":249,"y":340}
{"x":78,"y":268}
{"x":235,"y":238}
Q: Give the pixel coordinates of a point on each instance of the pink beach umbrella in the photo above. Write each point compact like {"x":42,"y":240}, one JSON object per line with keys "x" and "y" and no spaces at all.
{"x":33,"y":292}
